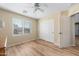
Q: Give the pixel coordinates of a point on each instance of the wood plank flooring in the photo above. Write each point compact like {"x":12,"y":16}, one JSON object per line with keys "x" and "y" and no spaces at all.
{"x":41,"y":48}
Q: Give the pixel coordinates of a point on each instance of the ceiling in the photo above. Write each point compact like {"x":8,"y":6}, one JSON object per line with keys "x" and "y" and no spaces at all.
{"x":48,"y":9}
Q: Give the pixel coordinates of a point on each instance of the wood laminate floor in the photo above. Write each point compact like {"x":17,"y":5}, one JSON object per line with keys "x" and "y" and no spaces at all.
{"x":41,"y":48}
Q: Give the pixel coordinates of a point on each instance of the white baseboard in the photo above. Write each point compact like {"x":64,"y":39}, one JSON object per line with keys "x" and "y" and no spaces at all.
{"x":18,"y":43}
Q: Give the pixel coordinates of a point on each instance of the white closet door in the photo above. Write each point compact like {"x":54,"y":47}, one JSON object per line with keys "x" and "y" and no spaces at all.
{"x":47,"y":30}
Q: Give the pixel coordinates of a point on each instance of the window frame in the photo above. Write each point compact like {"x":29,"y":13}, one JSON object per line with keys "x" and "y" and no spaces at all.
{"x":23,"y":20}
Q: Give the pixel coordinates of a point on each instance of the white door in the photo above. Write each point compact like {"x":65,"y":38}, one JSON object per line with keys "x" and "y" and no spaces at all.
{"x":65,"y":40}
{"x":47,"y":30}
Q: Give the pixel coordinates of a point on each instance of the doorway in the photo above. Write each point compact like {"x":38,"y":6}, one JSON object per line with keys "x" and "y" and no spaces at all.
{"x":75,"y":29}
{"x":77,"y":33}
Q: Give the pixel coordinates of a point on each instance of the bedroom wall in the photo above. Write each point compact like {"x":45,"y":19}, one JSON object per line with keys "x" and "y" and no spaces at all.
{"x":7,"y":30}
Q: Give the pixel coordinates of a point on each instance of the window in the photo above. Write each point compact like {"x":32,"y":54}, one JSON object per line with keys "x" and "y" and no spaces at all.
{"x":17,"y":26}
{"x":20,"y":26}
{"x":27,"y":27}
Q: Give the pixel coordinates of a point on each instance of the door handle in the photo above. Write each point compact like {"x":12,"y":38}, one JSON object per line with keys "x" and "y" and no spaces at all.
{"x":60,"y":33}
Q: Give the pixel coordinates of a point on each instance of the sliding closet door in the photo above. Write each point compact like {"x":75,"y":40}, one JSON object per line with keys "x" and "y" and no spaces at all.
{"x":46,"y":30}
